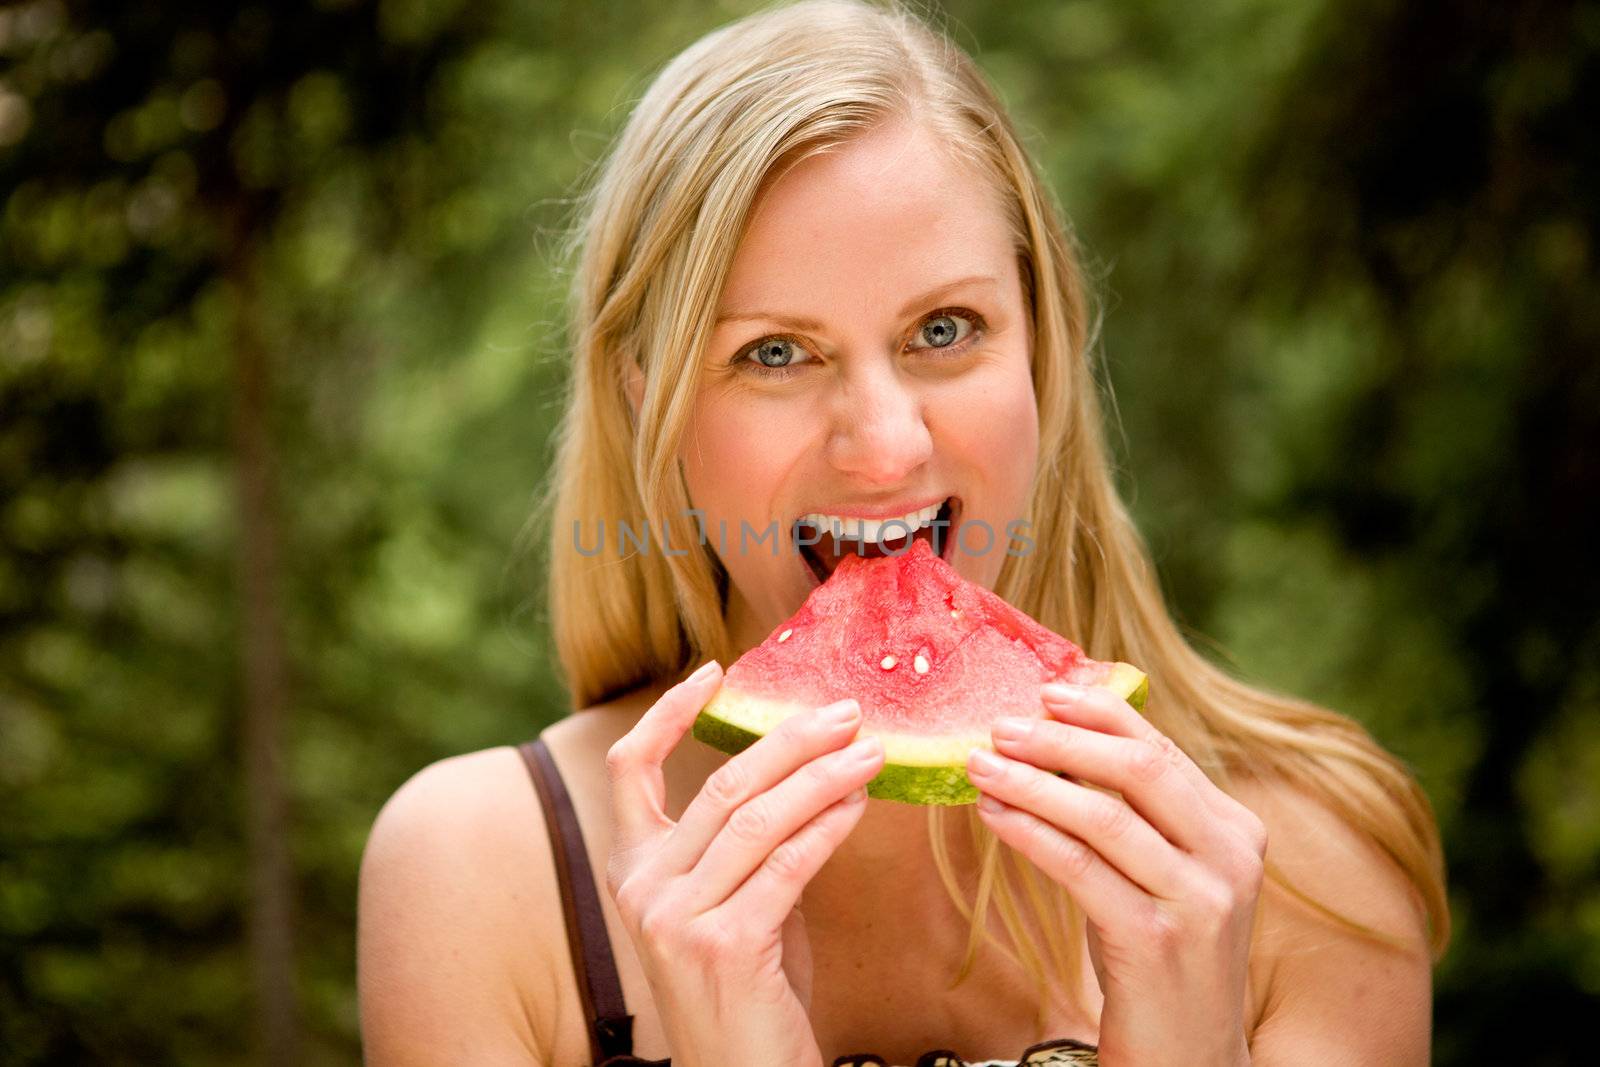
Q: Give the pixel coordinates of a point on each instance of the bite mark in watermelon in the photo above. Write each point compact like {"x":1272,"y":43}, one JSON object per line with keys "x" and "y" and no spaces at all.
{"x":932,"y":659}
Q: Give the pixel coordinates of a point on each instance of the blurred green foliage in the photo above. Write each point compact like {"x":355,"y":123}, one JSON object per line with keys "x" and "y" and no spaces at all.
{"x":1348,"y":255}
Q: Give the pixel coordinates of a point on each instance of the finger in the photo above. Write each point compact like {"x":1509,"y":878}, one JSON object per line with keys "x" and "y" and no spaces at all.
{"x":771,"y":893}
{"x":633,"y":764}
{"x":1095,"y":707}
{"x":1100,"y":709}
{"x":1107,"y":823}
{"x":797,"y":740}
{"x":1107,"y":897}
{"x":1149,"y":781}
{"x":762,"y":824}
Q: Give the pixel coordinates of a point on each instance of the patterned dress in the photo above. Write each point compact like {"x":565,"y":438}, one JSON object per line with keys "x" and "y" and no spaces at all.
{"x":1062,"y":1052}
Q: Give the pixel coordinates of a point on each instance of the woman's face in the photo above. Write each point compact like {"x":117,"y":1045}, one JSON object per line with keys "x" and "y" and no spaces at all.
{"x":871,"y":358}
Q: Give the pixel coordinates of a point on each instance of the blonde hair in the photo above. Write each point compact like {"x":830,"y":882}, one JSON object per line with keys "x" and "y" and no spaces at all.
{"x":655,"y":234}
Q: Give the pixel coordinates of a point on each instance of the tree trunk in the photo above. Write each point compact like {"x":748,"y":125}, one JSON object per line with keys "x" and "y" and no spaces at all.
{"x":271,"y":904}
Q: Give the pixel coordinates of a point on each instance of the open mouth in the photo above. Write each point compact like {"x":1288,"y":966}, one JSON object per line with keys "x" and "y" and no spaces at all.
{"x":822,"y":550}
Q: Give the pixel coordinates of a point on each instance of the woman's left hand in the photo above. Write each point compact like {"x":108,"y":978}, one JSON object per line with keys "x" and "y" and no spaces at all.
{"x":1167,"y":873}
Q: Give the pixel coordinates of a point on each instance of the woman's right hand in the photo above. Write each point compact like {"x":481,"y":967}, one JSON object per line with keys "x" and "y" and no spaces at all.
{"x":709,"y":901}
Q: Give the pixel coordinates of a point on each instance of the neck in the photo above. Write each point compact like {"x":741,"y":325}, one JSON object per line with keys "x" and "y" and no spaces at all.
{"x":885,"y":868}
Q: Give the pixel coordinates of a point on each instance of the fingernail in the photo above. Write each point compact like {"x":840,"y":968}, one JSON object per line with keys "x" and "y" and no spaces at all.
{"x":1061,"y":692}
{"x":856,"y":796}
{"x":989,"y":804}
{"x":865,"y":749}
{"x":1011,"y":729}
{"x":841,"y":713}
{"x":705,"y":671}
{"x":985,"y":763}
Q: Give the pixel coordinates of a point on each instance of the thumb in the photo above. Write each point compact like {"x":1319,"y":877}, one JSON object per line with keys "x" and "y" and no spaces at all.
{"x":797,"y":957}
{"x":1097,"y":956}
{"x":638,"y":789}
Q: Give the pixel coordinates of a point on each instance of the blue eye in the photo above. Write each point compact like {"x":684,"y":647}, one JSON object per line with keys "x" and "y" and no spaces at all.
{"x":942,"y":330}
{"x":776,"y":354}
{"x":781,"y":356}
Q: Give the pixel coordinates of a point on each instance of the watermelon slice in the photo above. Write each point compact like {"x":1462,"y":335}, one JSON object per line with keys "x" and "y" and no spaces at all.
{"x":931,"y":657}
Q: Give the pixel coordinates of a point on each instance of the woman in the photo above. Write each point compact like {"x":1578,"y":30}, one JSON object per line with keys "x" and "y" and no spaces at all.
{"x":818,"y":276}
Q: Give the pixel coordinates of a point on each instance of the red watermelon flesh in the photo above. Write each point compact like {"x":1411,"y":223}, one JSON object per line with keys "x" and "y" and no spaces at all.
{"x":931,"y":657}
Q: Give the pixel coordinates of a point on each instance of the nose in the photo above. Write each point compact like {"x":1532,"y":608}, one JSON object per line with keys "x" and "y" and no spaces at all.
{"x":880,"y":432}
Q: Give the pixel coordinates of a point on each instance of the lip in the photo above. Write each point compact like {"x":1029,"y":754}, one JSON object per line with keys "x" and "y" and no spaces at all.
{"x":884,"y":511}
{"x":948,"y":536}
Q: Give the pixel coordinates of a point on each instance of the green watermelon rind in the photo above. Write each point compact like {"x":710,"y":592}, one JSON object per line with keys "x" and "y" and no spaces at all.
{"x":916,"y":769}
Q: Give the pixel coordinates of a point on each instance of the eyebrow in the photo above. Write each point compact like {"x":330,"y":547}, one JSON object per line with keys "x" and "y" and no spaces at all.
{"x":800,"y":322}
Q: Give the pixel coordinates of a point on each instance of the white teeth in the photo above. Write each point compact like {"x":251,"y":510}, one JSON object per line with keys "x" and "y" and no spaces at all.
{"x":872,"y":530}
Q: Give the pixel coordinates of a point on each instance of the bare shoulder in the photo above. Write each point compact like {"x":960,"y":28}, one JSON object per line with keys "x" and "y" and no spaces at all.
{"x":454,"y":953}
{"x":1334,"y":996}
{"x":462,"y":947}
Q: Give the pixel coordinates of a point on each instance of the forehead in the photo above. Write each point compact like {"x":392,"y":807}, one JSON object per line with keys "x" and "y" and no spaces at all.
{"x":889,"y":212}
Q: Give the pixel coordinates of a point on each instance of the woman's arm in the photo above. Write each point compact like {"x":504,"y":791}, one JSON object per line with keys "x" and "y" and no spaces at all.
{"x":447,"y":941}
{"x":1334,"y":997}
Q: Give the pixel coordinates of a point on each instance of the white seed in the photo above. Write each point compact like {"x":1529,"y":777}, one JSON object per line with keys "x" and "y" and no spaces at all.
{"x":954,"y":614}
{"x":784,"y":636}
{"x":887,"y":663}
{"x":920,"y":664}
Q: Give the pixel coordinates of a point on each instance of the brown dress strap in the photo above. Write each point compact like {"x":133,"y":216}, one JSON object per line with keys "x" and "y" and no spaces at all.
{"x":600,"y":987}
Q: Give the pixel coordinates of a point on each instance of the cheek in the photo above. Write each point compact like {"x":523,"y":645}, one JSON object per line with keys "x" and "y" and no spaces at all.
{"x":998,"y":425}
{"x":734,"y":454}
{"x":1022,"y":415}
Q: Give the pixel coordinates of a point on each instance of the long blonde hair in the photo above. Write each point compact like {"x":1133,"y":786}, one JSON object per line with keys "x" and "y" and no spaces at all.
{"x":656,"y":231}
